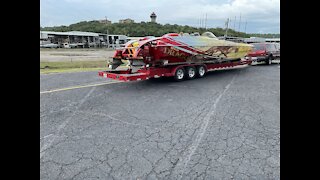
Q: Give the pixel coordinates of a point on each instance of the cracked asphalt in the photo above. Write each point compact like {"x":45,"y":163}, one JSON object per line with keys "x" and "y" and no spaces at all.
{"x":223,"y":126}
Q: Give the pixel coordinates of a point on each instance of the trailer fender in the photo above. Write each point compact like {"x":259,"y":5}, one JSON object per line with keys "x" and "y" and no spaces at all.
{"x":204,"y":65}
{"x":173,"y":70}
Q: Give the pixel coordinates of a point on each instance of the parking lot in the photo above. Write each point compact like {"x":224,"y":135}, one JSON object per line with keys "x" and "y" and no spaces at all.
{"x":223,"y":126}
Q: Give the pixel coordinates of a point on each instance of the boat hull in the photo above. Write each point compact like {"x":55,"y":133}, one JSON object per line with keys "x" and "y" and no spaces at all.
{"x":177,"y":49}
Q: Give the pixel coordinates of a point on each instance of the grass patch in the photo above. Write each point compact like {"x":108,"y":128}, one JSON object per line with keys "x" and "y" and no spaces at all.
{"x":49,"y":71}
{"x":74,"y":64}
{"x":76,"y":49}
{"x":77,"y":66}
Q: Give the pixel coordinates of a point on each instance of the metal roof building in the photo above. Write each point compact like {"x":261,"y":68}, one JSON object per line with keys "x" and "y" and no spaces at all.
{"x":82,"y":39}
{"x":74,"y":38}
{"x":70,"y":33}
{"x":254,"y":40}
{"x":273,"y":40}
{"x":259,"y":40}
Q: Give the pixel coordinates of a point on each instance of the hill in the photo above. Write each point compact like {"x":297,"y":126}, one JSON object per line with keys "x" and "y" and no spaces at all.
{"x":145,"y":29}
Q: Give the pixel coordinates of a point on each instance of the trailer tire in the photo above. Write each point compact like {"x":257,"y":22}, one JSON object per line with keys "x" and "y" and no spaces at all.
{"x":190,"y":72}
{"x":179,"y":74}
{"x":201,"y":71}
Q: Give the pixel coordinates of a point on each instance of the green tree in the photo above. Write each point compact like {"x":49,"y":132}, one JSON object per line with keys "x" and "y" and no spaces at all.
{"x":147,"y":29}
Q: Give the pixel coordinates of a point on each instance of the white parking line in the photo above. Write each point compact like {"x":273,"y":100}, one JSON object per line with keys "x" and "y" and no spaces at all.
{"x":78,"y":87}
{"x":46,"y":136}
{"x":186,"y":157}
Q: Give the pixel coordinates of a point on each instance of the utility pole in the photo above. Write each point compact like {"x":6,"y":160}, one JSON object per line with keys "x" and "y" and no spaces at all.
{"x":240,"y":22}
{"x":245,"y":27}
{"x":106,"y":20}
{"x":234,"y":25}
{"x":202,"y":20}
{"x":227,"y":25}
{"x":107,"y":38}
{"x":206,"y":22}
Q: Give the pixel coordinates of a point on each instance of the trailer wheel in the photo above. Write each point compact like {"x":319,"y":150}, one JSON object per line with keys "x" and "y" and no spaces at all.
{"x":191,"y":72}
{"x":179,"y":74}
{"x":201,"y":71}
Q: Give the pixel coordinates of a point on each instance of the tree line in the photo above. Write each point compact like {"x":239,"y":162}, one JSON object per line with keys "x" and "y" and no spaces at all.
{"x":147,"y":29}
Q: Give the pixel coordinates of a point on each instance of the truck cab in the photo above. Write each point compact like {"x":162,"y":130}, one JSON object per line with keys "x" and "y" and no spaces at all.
{"x":265,"y":52}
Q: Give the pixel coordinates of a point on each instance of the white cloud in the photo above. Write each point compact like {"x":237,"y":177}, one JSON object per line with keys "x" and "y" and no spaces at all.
{"x":261,"y":15}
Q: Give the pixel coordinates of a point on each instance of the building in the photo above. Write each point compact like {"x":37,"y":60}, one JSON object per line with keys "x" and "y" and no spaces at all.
{"x":134,"y":38}
{"x":104,"y":21}
{"x":115,"y":41}
{"x":70,"y":39}
{"x":231,"y":38}
{"x":78,"y":39}
{"x":153,"y":17}
{"x":261,"y":40}
{"x":124,"y":21}
{"x":276,"y":40}
{"x":254,"y":40}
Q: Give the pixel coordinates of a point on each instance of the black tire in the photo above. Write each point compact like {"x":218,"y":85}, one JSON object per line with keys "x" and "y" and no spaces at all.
{"x":201,"y":71}
{"x":179,"y":74}
{"x":269,"y":60}
{"x":191,"y":72}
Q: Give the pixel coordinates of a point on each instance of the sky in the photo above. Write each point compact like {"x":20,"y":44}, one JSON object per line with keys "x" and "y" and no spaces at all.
{"x":257,"y":16}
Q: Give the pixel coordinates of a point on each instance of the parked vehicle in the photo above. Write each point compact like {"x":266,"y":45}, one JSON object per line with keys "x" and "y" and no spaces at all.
{"x":49,"y":45}
{"x":264,"y":52}
{"x":92,"y":44}
{"x":67,"y":45}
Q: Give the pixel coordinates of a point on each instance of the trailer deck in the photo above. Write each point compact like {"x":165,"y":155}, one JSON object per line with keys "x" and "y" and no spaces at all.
{"x":167,"y":71}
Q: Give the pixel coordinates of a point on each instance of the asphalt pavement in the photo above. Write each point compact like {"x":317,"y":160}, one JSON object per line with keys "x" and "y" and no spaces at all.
{"x":223,"y":126}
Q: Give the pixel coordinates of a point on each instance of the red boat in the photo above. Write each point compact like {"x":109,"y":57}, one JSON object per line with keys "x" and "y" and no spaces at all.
{"x":175,"y":55}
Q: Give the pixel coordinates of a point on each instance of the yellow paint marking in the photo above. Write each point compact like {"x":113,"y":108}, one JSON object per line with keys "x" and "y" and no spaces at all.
{"x":78,"y":87}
